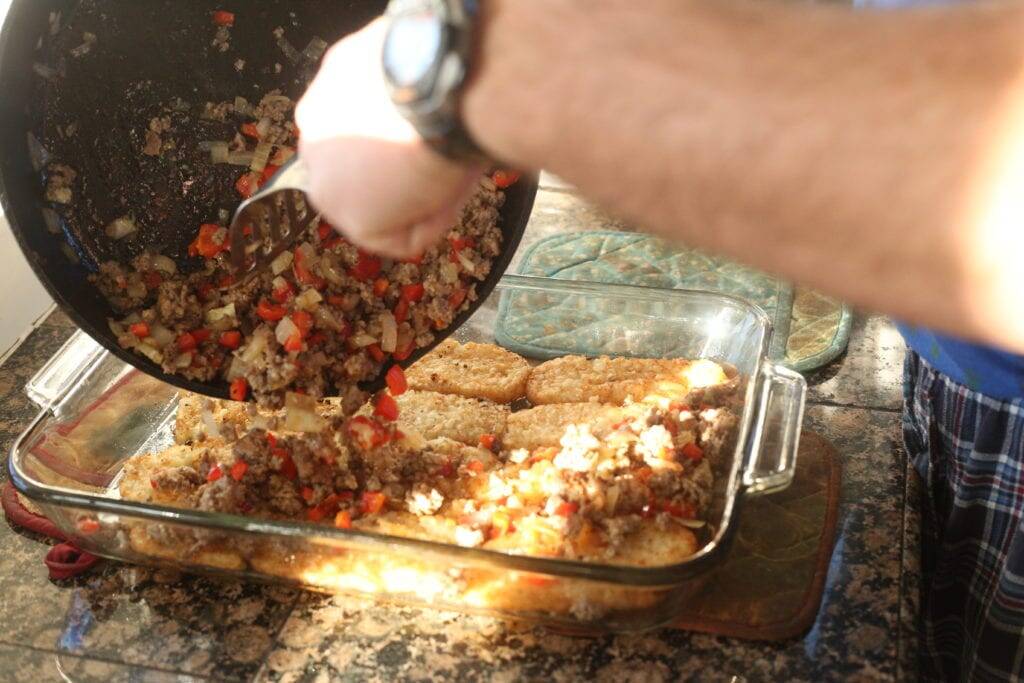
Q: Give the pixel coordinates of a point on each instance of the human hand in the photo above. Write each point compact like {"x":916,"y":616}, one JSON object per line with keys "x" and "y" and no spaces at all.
{"x":371,"y":175}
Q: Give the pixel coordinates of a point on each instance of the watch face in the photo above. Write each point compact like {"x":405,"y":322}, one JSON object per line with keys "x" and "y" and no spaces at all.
{"x":411,"y":50}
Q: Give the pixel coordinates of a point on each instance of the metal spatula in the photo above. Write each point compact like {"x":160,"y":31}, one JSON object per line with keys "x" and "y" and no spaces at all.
{"x":271,"y":220}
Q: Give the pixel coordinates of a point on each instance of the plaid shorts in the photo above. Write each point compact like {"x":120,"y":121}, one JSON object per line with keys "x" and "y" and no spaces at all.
{"x":969,"y":450}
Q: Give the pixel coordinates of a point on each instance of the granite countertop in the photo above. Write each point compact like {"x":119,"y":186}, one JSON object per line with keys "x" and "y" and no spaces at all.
{"x":123,"y":623}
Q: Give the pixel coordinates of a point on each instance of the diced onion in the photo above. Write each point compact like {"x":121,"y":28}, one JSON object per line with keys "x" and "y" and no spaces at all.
{"x":242,"y":158}
{"x":256,"y":346}
{"x":285,"y":329}
{"x":466,"y":263}
{"x":281,"y":263}
{"x":325,"y":316}
{"x":212,"y":428}
{"x":263,"y":127}
{"x":164,"y":264}
{"x":689,"y":523}
{"x":282,"y":155}
{"x":300,"y":413}
{"x":47,"y":72}
{"x":52,"y":220}
{"x":150,"y":353}
{"x":260,"y":157}
{"x":289,"y":50}
{"x":238,"y":368}
{"x":119,"y":228}
{"x":136,"y":289}
{"x":332,"y":270}
{"x":362,"y":339}
{"x":183,"y":361}
{"x":37,"y":153}
{"x":161,"y":335}
{"x":389,"y":333}
{"x":309,"y":300}
{"x":315,"y":50}
{"x":242,"y":106}
{"x":224,"y":314}
{"x":219,"y":153}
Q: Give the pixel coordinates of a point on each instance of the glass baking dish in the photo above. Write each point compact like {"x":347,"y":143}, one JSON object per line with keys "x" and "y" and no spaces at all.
{"x":97,"y":412}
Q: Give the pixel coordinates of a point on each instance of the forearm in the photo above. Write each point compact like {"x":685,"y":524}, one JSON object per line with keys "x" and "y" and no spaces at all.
{"x":856,"y":152}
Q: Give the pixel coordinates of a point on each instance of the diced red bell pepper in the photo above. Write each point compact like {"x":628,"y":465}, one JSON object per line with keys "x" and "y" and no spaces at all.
{"x":343,"y":520}
{"x":415,"y":260}
{"x":414,"y":292}
{"x":140,"y":330}
{"x":239,"y":469}
{"x":205,"y":289}
{"x":475,"y":466}
{"x":283,"y":294}
{"x":367,"y":267}
{"x":395,"y":378}
{"x":386,"y":407}
{"x":152,"y":279}
{"x":200,"y":335}
{"x":503,"y":179}
{"x":307,"y":494}
{"x":187,"y":342}
{"x":215,"y":473}
{"x":88,"y":525}
{"x":325,"y":231}
{"x":316,"y":339}
{"x":269,"y":312}
{"x":303,"y":273}
{"x":566,"y":508}
{"x":239,"y":389}
{"x":501,"y":523}
{"x":224,"y":18}
{"x":293,"y":343}
{"x":250,"y":130}
{"x":372,"y":502}
{"x":205,"y":243}
{"x":375,"y":352}
{"x":404,"y":352}
{"x":287,"y":469}
{"x":401,"y":311}
{"x":682,"y":510}
{"x":487,"y":441}
{"x":304,"y":321}
{"x":231,"y":339}
{"x":380,"y":286}
{"x":366,"y":432}
{"x":693,"y":452}
{"x":268,"y":173}
{"x":460,"y":243}
{"x":246,"y":184}
{"x":456,"y":298}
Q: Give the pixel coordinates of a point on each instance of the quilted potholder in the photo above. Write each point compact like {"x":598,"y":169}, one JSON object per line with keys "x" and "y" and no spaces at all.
{"x":633,"y":259}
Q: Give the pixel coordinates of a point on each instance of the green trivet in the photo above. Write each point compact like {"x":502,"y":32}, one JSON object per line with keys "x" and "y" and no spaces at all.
{"x":819,"y":326}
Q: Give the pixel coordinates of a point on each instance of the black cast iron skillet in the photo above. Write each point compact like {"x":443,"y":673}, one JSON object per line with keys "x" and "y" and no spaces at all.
{"x":147,"y":54}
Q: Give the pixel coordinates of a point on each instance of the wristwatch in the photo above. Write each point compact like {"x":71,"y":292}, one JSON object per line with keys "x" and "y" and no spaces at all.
{"x":427,"y":54}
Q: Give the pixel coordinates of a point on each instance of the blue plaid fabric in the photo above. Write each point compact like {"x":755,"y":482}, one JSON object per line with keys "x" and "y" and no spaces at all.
{"x":969,"y":450}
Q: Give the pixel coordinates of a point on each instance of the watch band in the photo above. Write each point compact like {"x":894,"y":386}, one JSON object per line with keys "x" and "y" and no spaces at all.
{"x":441,"y":125}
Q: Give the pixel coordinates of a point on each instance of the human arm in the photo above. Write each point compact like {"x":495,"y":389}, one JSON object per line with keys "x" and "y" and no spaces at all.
{"x":876,"y":156}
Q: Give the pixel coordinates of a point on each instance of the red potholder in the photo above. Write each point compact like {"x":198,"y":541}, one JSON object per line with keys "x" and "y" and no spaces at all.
{"x":64,"y":559}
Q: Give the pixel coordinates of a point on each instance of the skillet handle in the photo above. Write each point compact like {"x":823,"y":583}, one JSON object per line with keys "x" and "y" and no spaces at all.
{"x":772,"y":461}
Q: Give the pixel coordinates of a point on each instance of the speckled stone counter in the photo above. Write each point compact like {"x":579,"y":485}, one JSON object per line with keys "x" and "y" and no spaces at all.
{"x":123,"y":623}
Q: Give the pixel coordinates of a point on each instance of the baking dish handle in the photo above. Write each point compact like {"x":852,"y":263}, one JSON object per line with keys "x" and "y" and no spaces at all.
{"x":64,"y":370}
{"x":772,"y":462}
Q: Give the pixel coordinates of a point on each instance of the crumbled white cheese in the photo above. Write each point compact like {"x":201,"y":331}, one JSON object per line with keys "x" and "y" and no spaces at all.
{"x":519,"y":456}
{"x":423,"y":500}
{"x":579,"y":449}
{"x":468,"y":538}
{"x":654,"y":445}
